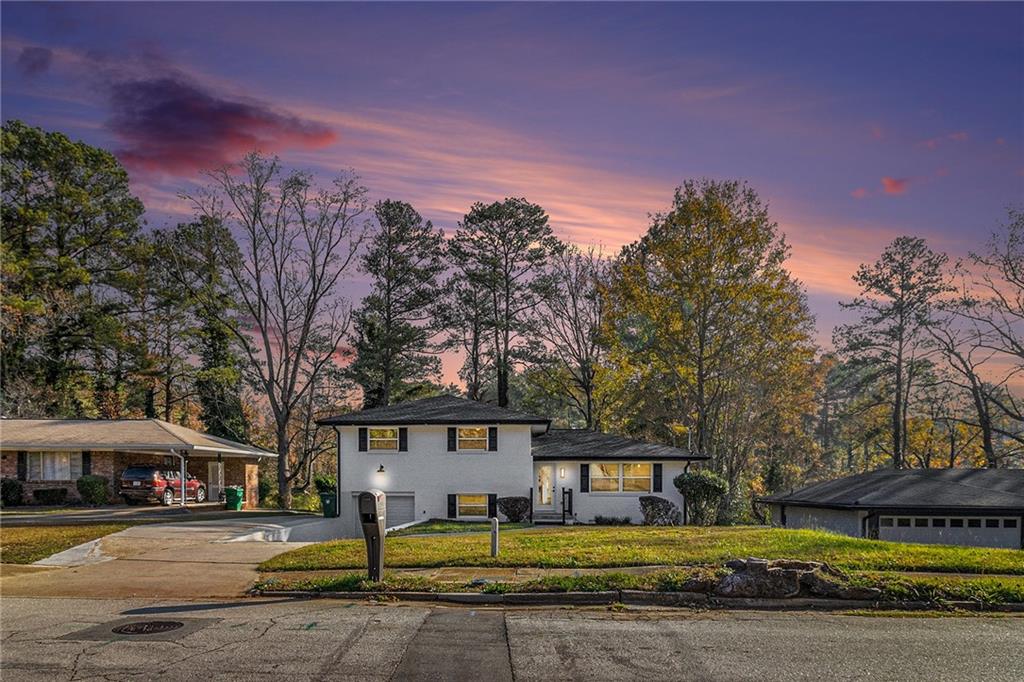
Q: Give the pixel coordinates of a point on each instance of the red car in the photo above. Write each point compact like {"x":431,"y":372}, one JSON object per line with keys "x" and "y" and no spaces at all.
{"x":147,"y":483}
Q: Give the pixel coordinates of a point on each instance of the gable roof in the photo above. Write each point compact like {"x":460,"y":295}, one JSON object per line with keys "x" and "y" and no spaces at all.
{"x":442,"y":409}
{"x":135,"y":435}
{"x":573,"y":444}
{"x":915,"y":489}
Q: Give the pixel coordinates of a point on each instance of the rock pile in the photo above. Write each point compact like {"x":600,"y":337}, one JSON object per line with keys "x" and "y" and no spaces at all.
{"x":784,"y":578}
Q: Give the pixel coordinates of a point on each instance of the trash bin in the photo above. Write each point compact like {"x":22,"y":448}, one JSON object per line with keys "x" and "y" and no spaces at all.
{"x":233,"y":498}
{"x":329,"y":503}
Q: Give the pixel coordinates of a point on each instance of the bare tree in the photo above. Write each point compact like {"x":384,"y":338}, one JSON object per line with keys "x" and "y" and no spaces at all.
{"x":570,"y":329}
{"x":297,"y":242}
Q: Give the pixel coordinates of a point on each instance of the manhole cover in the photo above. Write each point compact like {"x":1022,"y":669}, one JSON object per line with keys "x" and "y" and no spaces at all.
{"x":147,"y":627}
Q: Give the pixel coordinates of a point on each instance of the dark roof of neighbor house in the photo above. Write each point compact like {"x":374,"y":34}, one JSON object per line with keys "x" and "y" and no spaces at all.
{"x":132,"y":435}
{"x":978,"y":489}
{"x":442,"y":409}
{"x":570,"y":444}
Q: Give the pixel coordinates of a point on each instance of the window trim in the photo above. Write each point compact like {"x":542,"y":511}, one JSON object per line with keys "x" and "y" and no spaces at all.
{"x":459,"y":439}
{"x":621,"y":478}
{"x":370,"y":438}
{"x":472,"y":517}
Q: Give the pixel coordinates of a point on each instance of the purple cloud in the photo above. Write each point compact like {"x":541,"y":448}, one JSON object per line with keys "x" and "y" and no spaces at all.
{"x":33,"y":61}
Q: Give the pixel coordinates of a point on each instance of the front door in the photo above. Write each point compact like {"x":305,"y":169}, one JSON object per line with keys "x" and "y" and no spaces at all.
{"x":214,"y":480}
{"x":544,"y":497}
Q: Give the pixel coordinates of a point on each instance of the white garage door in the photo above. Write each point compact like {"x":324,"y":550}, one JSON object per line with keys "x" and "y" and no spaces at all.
{"x":400,"y":509}
{"x":968,"y":531}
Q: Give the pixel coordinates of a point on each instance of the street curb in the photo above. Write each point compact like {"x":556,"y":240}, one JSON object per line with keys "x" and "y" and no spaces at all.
{"x":641,"y":598}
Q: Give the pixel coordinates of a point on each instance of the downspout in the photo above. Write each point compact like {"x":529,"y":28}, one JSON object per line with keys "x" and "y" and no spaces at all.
{"x":337,"y":471}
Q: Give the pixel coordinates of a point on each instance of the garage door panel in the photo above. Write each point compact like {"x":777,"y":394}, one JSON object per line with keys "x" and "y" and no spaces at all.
{"x":1002,"y":532}
{"x":399,"y":509}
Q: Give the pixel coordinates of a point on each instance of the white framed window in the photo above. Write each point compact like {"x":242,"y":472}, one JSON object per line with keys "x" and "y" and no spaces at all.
{"x":54,"y":466}
{"x":471,"y":438}
{"x":472,"y":505}
{"x":383,"y":438}
{"x":625,"y":477}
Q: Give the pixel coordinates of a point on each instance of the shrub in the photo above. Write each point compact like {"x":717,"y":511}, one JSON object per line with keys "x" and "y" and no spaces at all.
{"x":515,"y":509}
{"x":703,"y":491}
{"x":658,"y":511}
{"x":10,"y":492}
{"x":325,"y":483}
{"x":93,"y":489}
{"x":612,"y":520}
{"x":266,"y":489}
{"x":50,"y":495}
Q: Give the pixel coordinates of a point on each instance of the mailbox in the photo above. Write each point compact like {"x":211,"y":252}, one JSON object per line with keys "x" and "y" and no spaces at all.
{"x":372,"y":515}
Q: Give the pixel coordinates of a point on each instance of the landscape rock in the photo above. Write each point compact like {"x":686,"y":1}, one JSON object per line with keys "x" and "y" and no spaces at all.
{"x":787,"y":578}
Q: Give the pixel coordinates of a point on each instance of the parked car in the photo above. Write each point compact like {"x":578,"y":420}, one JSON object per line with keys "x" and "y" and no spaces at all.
{"x":148,"y":483}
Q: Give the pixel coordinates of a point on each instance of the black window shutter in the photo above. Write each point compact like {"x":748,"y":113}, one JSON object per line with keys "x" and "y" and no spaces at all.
{"x":492,"y":506}
{"x":362,"y":440}
{"x":657,"y":478}
{"x":22,"y":466}
{"x":451,"y":439}
{"x":453,"y":509}
{"x":86,"y":462}
{"x":584,"y":478}
{"x":403,"y":439}
{"x":492,"y":438}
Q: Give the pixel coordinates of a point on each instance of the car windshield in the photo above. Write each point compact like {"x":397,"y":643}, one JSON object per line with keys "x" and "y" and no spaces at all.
{"x":138,"y":472}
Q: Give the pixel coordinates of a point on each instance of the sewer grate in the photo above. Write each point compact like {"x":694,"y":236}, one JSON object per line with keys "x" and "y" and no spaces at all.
{"x":147,"y":627}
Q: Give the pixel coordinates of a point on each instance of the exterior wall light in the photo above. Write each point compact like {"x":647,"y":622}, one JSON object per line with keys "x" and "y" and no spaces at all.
{"x":561,"y":472}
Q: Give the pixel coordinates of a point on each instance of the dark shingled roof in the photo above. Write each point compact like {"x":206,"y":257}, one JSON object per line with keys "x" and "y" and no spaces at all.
{"x":583,"y":444}
{"x":442,"y":409}
{"x":915,"y":489}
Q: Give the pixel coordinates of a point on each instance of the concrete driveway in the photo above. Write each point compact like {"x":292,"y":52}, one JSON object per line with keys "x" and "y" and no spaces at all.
{"x":187,"y":560}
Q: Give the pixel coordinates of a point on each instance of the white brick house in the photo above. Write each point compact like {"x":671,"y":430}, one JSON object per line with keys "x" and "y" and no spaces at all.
{"x":447,"y":457}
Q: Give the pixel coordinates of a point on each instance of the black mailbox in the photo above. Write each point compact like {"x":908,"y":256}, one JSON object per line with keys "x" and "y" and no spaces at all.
{"x":372,"y":515}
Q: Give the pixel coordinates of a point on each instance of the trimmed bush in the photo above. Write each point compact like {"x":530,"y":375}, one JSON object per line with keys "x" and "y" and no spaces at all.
{"x":658,"y":511}
{"x":515,"y":509}
{"x":93,"y":489}
{"x":612,"y":520}
{"x":10,"y":492}
{"x":266,"y":489}
{"x":53,"y":496}
{"x":325,"y":483}
{"x":703,"y":491}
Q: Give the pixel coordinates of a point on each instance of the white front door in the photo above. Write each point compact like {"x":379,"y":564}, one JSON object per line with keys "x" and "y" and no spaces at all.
{"x":214,"y":480}
{"x":544,"y":495}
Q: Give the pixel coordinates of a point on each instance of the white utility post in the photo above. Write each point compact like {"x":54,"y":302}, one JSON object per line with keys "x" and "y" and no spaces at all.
{"x":494,"y":536}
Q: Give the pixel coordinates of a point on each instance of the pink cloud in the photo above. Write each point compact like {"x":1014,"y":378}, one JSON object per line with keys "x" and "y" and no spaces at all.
{"x":934,"y":142}
{"x":877,"y":132}
{"x":895,"y":185}
{"x":859,"y":193}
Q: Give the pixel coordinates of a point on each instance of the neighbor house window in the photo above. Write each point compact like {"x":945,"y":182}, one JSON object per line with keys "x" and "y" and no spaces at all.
{"x":956,"y":523}
{"x":974,"y":523}
{"x":472,"y":437}
{"x":383,"y":439}
{"x":54,"y":466}
{"x":1009,"y":523}
{"x":887,"y":522}
{"x":920,"y":523}
{"x":630,"y":477}
{"x":938,"y":523}
{"x":903,"y":523}
{"x":991,"y":523}
{"x":473,"y":505}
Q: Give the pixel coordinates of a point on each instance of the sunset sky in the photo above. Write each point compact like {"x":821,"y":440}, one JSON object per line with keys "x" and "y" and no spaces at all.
{"x":857,"y":123}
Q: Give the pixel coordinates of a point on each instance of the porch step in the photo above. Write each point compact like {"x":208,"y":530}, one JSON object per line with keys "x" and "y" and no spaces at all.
{"x":548,"y":517}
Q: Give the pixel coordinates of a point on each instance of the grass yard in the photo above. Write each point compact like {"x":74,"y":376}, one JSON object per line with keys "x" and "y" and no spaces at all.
{"x":435,"y":526}
{"x":596,"y":546}
{"x":26,"y":544}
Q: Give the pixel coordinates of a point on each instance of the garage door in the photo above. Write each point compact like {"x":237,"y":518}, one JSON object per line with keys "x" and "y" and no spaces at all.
{"x":968,"y":531}
{"x":400,"y":509}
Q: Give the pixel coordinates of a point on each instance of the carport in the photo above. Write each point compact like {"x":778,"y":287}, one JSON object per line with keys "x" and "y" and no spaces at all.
{"x":55,"y":453}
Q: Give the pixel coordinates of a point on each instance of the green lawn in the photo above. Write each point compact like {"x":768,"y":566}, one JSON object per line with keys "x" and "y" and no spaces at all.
{"x":434,"y":526}
{"x":595,"y":546}
{"x":26,"y":544}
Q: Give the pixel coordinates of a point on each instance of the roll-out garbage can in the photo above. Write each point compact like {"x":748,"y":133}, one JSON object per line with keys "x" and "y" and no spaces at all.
{"x":329,"y":503}
{"x":233,"y":498}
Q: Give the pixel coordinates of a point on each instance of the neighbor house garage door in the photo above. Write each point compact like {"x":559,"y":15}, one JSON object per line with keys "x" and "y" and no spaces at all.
{"x":952,"y":530}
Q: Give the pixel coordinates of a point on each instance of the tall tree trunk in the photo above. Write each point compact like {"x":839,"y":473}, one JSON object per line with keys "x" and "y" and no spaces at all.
{"x":284,"y":483}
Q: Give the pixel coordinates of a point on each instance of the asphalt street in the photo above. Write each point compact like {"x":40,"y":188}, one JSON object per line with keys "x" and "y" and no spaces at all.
{"x":74,"y":639}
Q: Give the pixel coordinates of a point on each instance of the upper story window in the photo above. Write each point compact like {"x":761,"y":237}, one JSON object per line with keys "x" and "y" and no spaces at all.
{"x":54,"y":466}
{"x":630,"y":477}
{"x":472,"y":437}
{"x":383,"y":439}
